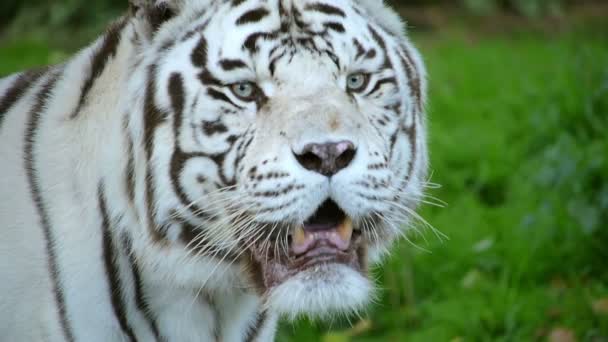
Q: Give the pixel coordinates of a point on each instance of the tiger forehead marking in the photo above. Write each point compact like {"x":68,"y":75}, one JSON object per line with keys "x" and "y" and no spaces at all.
{"x":235,"y":161}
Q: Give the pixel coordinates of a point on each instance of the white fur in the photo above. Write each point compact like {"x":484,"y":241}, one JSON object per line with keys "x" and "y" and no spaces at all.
{"x":384,"y":16}
{"x":196,"y":297}
{"x":307,"y":295}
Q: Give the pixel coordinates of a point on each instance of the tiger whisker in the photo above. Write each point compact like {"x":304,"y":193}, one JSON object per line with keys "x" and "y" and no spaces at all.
{"x":258,"y":235}
{"x":417,"y":216}
{"x":401,"y":232}
{"x":224,"y":233}
{"x":204,"y":196}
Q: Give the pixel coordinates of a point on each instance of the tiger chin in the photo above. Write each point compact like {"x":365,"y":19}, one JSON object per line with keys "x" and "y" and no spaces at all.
{"x":207,"y":167}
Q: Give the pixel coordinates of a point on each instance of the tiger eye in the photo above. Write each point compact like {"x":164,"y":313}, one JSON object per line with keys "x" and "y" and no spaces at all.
{"x":357,"y":82}
{"x":246,"y":91}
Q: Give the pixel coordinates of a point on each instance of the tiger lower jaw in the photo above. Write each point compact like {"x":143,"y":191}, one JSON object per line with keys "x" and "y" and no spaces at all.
{"x":321,"y":291}
{"x":322,"y":272}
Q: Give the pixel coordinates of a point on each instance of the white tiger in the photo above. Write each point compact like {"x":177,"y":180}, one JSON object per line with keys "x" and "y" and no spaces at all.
{"x":206,"y":167}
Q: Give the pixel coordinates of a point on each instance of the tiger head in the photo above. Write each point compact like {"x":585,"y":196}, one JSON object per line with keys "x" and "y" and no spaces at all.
{"x":280,"y":144}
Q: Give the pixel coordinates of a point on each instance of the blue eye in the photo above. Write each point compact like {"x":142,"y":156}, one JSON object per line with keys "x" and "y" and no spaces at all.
{"x":246,"y":91}
{"x":357,"y":82}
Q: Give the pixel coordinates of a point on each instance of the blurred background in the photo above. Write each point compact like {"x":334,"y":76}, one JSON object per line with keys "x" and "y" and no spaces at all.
{"x":518,"y":116}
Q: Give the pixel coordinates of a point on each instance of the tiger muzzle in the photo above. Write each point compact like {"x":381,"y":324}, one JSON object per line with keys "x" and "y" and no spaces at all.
{"x":327,"y":237}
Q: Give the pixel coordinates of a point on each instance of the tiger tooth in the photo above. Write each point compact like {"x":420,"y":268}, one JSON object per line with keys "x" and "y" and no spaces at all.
{"x":299,"y":236}
{"x":345,"y":230}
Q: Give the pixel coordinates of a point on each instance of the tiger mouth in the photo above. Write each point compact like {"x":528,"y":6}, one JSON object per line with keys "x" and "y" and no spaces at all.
{"x":327,"y":237}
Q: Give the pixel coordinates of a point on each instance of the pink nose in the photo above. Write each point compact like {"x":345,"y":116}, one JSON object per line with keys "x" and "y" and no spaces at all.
{"x":327,"y":158}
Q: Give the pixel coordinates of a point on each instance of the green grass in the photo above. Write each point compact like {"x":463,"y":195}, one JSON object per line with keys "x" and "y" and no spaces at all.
{"x":518,"y":141}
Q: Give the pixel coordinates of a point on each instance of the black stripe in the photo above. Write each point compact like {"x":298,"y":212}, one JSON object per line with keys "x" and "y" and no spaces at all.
{"x":214,"y":127}
{"x":236,"y":3}
{"x":176,"y":93}
{"x":209,"y":80}
{"x":130,"y":167}
{"x":112,"y":267}
{"x":158,"y":14}
{"x":156,"y":234}
{"x":371,"y":54}
{"x":252,"y":16}
{"x":217,"y":328}
{"x":18,"y":89}
{"x":275,"y":193}
{"x":297,"y":18}
{"x":326,"y":9}
{"x":140,"y":299}
{"x":413,"y":84}
{"x":218,"y":158}
{"x":387,"y":64}
{"x":231,"y":64}
{"x":179,"y":159}
{"x":252,"y":40}
{"x":218,"y":95}
{"x":273,"y":62}
{"x":359,"y":47}
{"x":153,"y":117}
{"x":378,"y":38}
{"x":99,"y":62}
{"x":269,"y":209}
{"x":242,"y":147}
{"x":380,"y":83}
{"x":254,"y":331}
{"x":393,"y":141}
{"x":411,"y":132}
{"x":32,"y":176}
{"x":199,"y":54}
{"x":335,"y":26}
{"x":130,"y":172}
{"x":413,"y":78}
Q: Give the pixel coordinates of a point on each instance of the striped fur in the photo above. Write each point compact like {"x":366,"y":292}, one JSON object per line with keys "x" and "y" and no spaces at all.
{"x":137,"y":186}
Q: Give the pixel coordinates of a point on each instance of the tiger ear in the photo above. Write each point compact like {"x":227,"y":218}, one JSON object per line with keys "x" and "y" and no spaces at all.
{"x":152,"y":14}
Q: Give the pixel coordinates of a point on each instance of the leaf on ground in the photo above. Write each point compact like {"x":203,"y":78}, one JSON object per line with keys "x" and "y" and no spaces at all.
{"x":558,"y":286}
{"x":562,"y":335}
{"x":554,"y":313}
{"x":471,"y":279}
{"x":483,"y":245}
{"x":600,"y":306}
{"x":540,"y":333}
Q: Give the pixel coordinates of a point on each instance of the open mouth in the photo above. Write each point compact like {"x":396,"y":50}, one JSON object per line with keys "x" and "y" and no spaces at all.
{"x":327,"y":237}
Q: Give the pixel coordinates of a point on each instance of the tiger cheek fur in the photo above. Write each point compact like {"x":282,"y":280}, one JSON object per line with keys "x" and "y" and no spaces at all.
{"x":206,"y":167}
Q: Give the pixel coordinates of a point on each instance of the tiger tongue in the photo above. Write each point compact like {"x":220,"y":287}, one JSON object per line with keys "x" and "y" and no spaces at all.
{"x":339,"y":237}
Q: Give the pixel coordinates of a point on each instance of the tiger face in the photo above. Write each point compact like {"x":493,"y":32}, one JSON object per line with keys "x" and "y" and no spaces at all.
{"x":282,"y":144}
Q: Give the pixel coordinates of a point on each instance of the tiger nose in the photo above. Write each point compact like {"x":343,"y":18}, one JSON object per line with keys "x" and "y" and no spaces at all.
{"x":328,"y":158}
